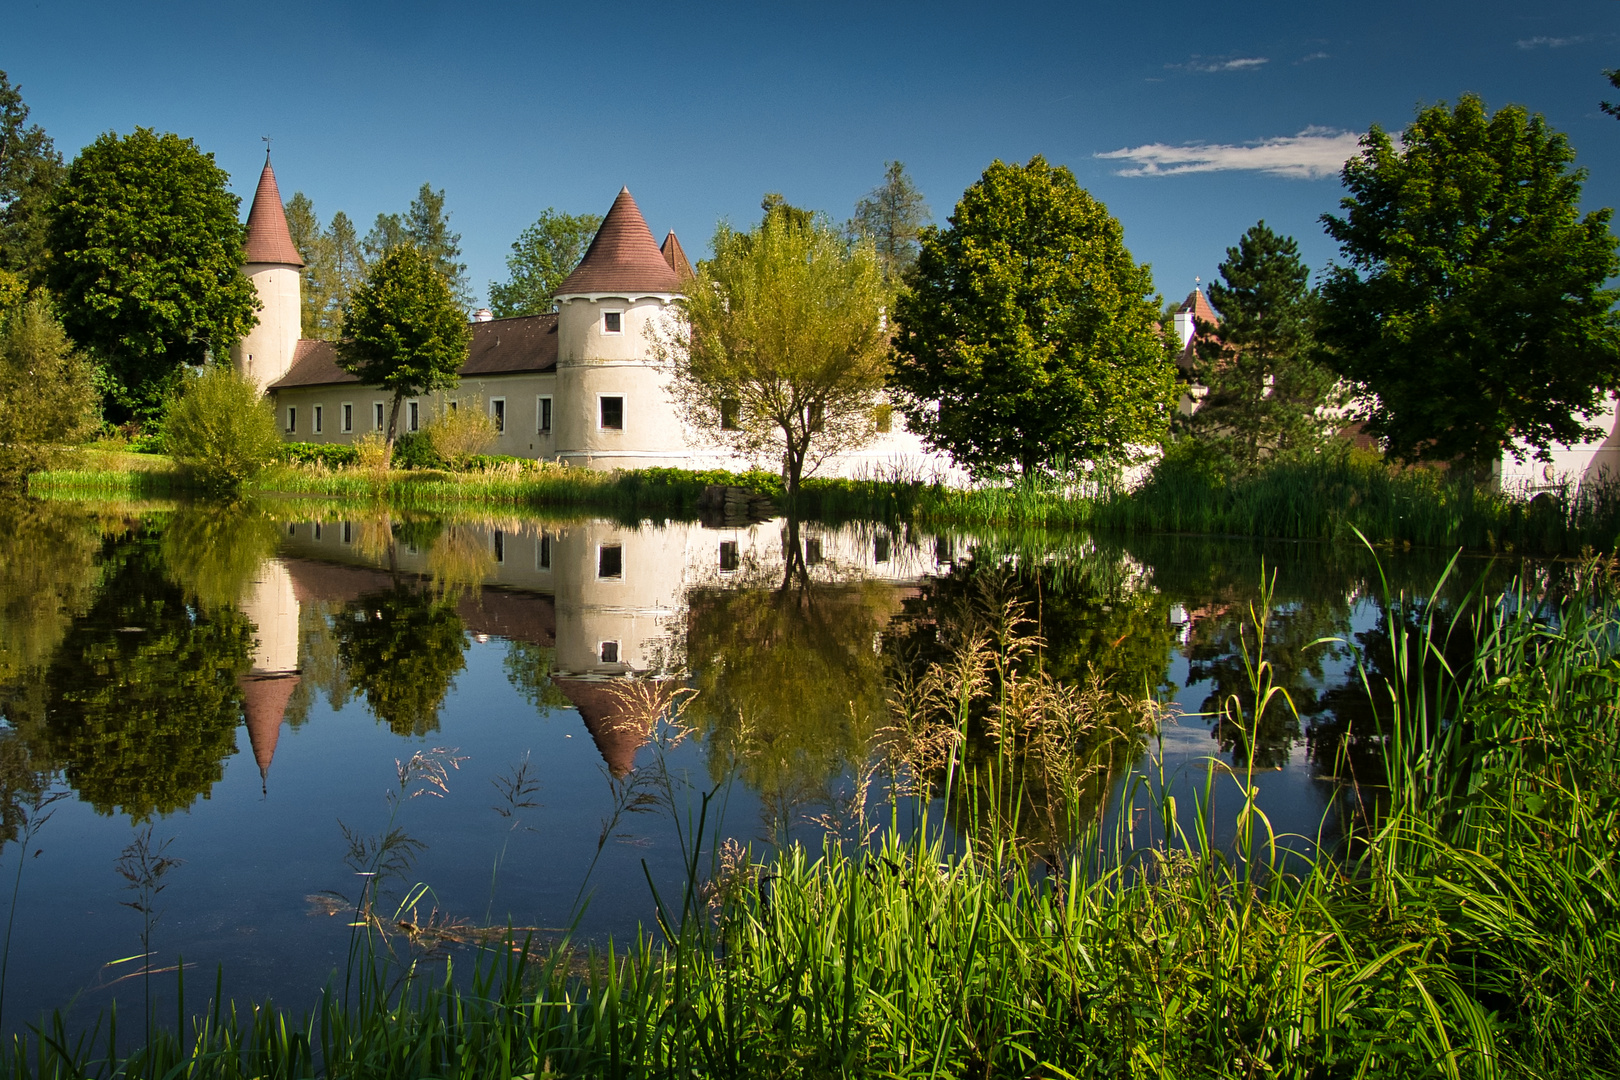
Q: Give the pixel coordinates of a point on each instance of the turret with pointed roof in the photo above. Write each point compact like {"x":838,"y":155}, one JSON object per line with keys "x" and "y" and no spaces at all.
{"x":623,"y":257}
{"x":272,"y":262}
{"x":676,"y":257}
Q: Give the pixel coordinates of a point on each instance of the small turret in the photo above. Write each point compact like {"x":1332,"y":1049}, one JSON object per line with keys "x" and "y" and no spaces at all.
{"x":272,"y":263}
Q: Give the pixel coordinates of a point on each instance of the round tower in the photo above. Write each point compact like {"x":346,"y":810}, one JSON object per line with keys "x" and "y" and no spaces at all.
{"x":272,"y":263}
{"x":613,"y":410}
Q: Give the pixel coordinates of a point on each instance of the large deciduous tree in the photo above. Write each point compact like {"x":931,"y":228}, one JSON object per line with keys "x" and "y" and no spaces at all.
{"x":1265,"y":391}
{"x":783,"y":348}
{"x":1027,"y":333}
{"x":542,"y":256}
{"x":892,"y":216}
{"x":1472,"y":309}
{"x":403,"y":330}
{"x":30,"y":169}
{"x":145,"y":263}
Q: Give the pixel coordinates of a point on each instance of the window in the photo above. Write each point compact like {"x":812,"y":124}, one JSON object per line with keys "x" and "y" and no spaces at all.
{"x":612,"y":413}
{"x":413,"y":416}
{"x":609,"y":652}
{"x":543,"y":415}
{"x":348,"y":416}
{"x":729,"y":410}
{"x":542,"y":552}
{"x":292,"y":419}
{"x":317,"y":530}
{"x":292,"y":530}
{"x":883,"y":417}
{"x":500,"y":546}
{"x":812,"y":551}
{"x":497,"y":413}
{"x":319,"y":411}
{"x":610,"y":562}
{"x":376,"y":416}
{"x":728,"y":556}
{"x":818,"y":416}
{"x":942,"y":550}
{"x":880,"y":549}
{"x":348,"y":532}
{"x":453,"y":404}
{"x":612,"y":322}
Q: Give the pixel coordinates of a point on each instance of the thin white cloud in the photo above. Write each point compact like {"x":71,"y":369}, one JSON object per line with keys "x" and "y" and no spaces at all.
{"x":1550,"y":42}
{"x":1312,"y":56}
{"x":1217,"y":63}
{"x":1313,"y":154}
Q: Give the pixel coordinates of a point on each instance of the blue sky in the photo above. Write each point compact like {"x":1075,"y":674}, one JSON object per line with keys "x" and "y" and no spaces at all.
{"x":701,"y":108}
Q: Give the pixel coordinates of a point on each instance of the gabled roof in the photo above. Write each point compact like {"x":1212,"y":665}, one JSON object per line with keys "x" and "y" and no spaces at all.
{"x":677,"y":258}
{"x":623,"y":257}
{"x":527,"y":343}
{"x":268,"y":240}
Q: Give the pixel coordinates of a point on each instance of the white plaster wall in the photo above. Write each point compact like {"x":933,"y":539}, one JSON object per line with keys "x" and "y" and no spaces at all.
{"x":592,"y":364}
{"x":521,"y":392}
{"x":1575,"y":463}
{"x":270,"y":604}
{"x":266,"y":353}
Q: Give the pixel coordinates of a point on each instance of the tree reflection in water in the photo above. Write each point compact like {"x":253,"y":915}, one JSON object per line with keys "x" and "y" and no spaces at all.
{"x":401,"y":648}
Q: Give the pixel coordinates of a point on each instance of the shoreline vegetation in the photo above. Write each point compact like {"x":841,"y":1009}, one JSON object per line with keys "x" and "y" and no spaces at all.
{"x":1342,"y":496}
{"x":1458,"y":919}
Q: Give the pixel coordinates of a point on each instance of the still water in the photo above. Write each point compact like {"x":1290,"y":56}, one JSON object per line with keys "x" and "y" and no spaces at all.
{"x":237,"y":689}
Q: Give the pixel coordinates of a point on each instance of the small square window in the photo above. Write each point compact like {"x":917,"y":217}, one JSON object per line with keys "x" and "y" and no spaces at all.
{"x":612,"y":413}
{"x":730,"y":410}
{"x":317,"y":530}
{"x":544,"y":415}
{"x":497,"y":413}
{"x":612,"y":322}
{"x":728,"y":556}
{"x":292,"y":530}
{"x":609,"y":652}
{"x":880,"y":549}
{"x":943,"y":551}
{"x":348,"y":416}
{"x":542,"y":552}
{"x":292,"y":419}
{"x":610,"y":562}
{"x":320,"y":411}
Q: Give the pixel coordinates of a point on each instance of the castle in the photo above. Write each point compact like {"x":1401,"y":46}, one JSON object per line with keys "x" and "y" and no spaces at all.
{"x":578,"y":385}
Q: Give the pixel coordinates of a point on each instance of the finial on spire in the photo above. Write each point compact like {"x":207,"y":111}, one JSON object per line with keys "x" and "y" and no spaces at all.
{"x":266,"y":139}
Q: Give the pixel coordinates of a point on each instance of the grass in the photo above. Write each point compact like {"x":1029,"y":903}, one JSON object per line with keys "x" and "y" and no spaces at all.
{"x":1465,"y":927}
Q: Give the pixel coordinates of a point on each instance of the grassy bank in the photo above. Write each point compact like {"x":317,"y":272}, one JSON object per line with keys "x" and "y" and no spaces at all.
{"x":1468,"y":925}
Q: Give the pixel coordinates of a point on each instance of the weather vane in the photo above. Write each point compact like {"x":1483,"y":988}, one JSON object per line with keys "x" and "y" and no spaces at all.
{"x":266,"y":139}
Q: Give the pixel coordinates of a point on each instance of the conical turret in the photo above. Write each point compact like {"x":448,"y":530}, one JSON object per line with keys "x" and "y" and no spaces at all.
{"x":272,"y":262}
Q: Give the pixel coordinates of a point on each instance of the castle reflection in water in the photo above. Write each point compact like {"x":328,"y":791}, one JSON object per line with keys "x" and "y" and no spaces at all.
{"x":610,"y":599}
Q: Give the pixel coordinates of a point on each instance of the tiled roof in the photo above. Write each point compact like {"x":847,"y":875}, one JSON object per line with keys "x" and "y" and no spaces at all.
{"x":524,"y":344}
{"x":617,"y":735}
{"x":677,"y":258}
{"x":268,"y":240}
{"x":623,"y":257}
{"x":264,"y":705}
{"x":1200,"y":308}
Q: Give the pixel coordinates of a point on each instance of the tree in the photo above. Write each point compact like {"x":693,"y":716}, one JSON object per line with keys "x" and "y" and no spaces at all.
{"x":424,"y":225}
{"x":1027,"y":333}
{"x":46,"y":395}
{"x":1472,"y":309}
{"x":1608,"y":107}
{"x":892,"y":216}
{"x":221,"y":429}
{"x":401,"y":648}
{"x":146,"y":258}
{"x":1264,"y":388}
{"x":782,"y":347}
{"x":542,"y":256}
{"x":30,"y":169}
{"x":345,"y":269}
{"x":304,"y":226}
{"x":403,"y":330}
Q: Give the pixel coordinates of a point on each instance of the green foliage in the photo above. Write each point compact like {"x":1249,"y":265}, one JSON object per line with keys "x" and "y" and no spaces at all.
{"x":146,"y":257}
{"x":220,"y":430}
{"x":1473,"y":303}
{"x":403,"y":330}
{"x":415,"y":451}
{"x":461,"y":432}
{"x":47,"y":398}
{"x":892,"y":216}
{"x":542,"y":256}
{"x":1614,"y":81}
{"x":333,"y":266}
{"x":143,"y":721}
{"x":782,"y":349}
{"x":47,"y":577}
{"x":332,"y":455}
{"x":528,"y":668}
{"x":214,"y":551}
{"x":425,"y":226}
{"x":1031,"y":326}
{"x":1264,"y":388}
{"x":401,"y":648}
{"x":30,"y":169}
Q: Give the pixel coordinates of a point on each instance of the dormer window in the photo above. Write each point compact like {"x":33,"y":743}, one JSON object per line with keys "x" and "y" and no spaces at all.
{"x":612,"y":322}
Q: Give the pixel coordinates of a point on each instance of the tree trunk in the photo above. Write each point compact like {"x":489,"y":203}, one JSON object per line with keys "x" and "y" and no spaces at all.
{"x":393,"y":423}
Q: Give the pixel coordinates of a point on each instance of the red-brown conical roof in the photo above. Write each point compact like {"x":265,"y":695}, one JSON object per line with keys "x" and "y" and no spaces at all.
{"x":264,"y":704}
{"x":623,"y":257}
{"x":677,"y":258}
{"x":617,"y":734}
{"x":268,"y":240}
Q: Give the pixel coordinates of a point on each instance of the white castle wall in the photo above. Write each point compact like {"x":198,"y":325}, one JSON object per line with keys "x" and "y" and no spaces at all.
{"x":266,"y":353}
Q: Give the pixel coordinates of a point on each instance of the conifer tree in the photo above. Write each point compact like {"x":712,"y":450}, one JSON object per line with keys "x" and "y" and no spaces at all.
{"x":1265,"y":392}
{"x":892,"y":216}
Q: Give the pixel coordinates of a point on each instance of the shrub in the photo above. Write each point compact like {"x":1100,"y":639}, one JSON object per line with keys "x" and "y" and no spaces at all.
{"x":332,"y":455}
{"x":415,"y":451}
{"x":371,"y":453}
{"x":220,"y":429}
{"x":458,"y":434}
{"x":46,"y":396}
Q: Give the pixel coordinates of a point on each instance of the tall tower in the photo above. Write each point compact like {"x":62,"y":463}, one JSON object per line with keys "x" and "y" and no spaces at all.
{"x":272,"y":264}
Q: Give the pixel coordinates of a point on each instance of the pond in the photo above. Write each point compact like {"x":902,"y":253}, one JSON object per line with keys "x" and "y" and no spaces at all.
{"x":211,"y":715}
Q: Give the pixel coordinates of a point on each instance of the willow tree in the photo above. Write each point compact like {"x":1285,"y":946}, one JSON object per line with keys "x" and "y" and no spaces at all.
{"x":781,"y":346}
